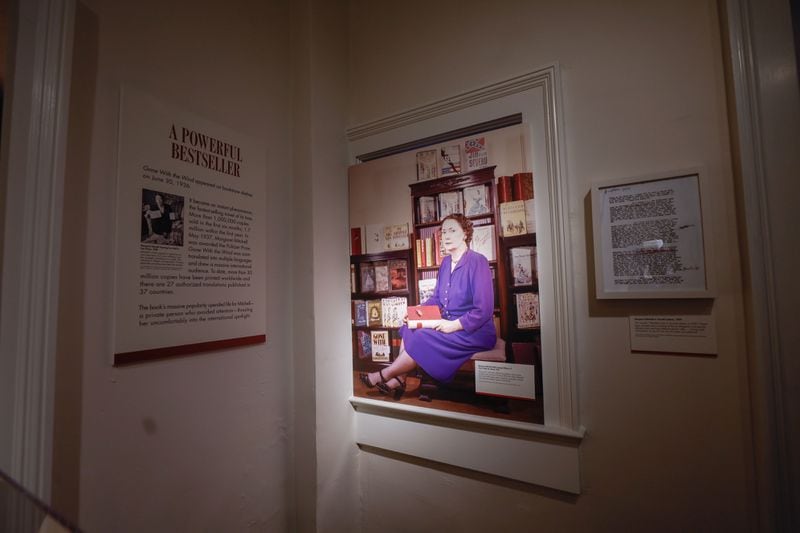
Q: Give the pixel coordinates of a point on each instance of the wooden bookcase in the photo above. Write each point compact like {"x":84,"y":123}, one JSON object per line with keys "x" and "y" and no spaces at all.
{"x":523,"y":345}
{"x":364,"y":294}
{"x":425,"y":226}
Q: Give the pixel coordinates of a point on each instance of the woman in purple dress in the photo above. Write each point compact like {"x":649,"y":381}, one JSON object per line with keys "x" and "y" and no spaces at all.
{"x":465,"y":296}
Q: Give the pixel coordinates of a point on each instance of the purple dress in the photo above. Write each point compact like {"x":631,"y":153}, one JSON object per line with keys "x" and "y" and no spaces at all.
{"x":466,"y":293}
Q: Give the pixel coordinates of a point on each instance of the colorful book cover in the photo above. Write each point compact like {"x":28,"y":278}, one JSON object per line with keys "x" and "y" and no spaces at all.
{"x":374,"y":314}
{"x":380,"y":346}
{"x":426,"y":289}
{"x":398,"y":274}
{"x":423,"y":316}
{"x":364,"y":343}
{"x":360,"y":312}
{"x":512,"y":218}
{"x":527,"y":310}
{"x":475,"y":154}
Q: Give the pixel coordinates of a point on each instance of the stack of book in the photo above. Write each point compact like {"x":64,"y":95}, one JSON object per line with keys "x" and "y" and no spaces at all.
{"x":385,"y":313}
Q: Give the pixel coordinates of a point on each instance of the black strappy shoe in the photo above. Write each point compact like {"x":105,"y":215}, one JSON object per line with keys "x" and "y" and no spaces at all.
{"x":364,"y":377}
{"x":396,"y":392}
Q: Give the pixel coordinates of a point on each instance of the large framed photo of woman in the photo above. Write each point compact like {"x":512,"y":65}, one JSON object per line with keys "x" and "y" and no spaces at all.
{"x":469,"y":355}
{"x":518,"y":400}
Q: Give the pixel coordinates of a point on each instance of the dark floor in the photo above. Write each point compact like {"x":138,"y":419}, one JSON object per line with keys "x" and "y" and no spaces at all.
{"x":460,"y":399}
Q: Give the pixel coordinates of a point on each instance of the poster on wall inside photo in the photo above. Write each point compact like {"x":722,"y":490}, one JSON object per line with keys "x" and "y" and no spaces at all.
{"x":192,"y":279}
{"x":384,"y":190}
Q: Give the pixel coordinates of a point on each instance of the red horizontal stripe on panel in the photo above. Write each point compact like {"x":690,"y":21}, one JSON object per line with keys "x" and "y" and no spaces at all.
{"x":141,"y":356}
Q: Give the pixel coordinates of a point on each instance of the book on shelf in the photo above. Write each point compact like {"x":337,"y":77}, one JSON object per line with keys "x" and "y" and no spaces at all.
{"x":450,"y":160}
{"x":353,"y":286}
{"x":367,"y":277}
{"x":398,"y":274}
{"x":449,"y":203}
{"x":438,"y":248}
{"x":483,"y":241}
{"x":395,"y":237}
{"x":380,"y":346}
{"x":524,"y":353}
{"x":523,"y":265}
{"x":375,"y":237}
{"x":364,"y":340}
{"x":504,"y":189}
{"x":512,"y":218}
{"x":530,"y":215}
{"x":423,"y":316}
{"x":357,"y":241}
{"x":426,"y":165}
{"x":426,"y":289}
{"x":427,"y":209}
{"x":475,"y":154}
{"x":359,"y":313}
{"x":476,"y":200}
{"x":374,"y":313}
{"x":522,"y":186}
{"x":392,"y":311}
{"x":381,"y":276}
{"x":527,"y":310}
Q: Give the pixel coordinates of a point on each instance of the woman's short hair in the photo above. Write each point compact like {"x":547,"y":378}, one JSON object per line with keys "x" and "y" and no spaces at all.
{"x":464,"y":222}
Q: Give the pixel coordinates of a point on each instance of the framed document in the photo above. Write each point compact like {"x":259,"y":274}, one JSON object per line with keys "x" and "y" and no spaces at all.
{"x":648,"y":238}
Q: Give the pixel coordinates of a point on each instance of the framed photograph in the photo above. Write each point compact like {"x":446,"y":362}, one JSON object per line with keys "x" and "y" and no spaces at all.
{"x":648,"y":238}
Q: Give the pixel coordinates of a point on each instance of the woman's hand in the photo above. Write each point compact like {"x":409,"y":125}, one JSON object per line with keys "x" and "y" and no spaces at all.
{"x":448,"y":326}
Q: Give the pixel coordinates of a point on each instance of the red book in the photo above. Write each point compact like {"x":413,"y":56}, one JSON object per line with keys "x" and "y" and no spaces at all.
{"x":355,"y":241}
{"x":504,"y":189}
{"x":522,"y":184}
{"x":423,"y":316}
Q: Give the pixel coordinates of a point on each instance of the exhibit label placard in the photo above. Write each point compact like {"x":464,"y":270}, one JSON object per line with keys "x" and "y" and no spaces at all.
{"x":508,"y":380}
{"x":674,"y":334}
{"x":192,"y":278}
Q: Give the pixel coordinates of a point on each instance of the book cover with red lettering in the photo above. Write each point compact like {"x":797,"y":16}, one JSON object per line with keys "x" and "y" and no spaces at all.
{"x":423,"y":316}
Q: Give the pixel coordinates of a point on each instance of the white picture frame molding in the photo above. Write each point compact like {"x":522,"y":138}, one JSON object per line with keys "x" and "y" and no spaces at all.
{"x":35,"y":123}
{"x":536,"y":95}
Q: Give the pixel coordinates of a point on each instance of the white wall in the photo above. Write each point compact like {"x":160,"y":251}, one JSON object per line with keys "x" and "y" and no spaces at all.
{"x":643,"y":91}
{"x":194,"y":443}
